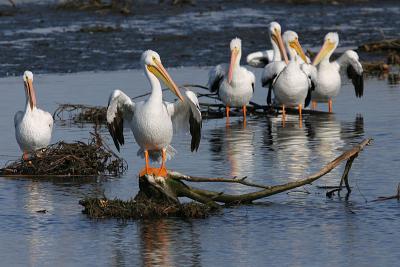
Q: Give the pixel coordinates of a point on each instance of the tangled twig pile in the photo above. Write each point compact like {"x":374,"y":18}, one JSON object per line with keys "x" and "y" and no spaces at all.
{"x":143,"y":209}
{"x":69,"y":159}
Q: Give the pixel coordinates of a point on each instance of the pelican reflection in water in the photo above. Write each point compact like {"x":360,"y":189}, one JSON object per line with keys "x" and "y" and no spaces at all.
{"x":171,"y":244}
{"x":235,"y":146}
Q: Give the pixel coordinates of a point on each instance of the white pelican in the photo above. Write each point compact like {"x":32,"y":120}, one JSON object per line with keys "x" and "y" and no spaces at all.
{"x":33,"y":126}
{"x":261,"y":59}
{"x":329,"y":81}
{"x":233,"y":83}
{"x":291,"y":84}
{"x":153,"y":121}
{"x":278,"y":52}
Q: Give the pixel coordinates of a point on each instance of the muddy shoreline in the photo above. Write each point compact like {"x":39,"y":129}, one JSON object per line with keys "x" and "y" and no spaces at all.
{"x":51,"y":40}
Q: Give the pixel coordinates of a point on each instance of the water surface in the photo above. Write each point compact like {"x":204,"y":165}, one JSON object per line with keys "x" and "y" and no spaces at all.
{"x":295,"y":229}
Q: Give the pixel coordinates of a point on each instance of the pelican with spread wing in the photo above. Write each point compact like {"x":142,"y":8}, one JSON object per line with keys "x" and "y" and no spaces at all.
{"x":153,"y":121}
{"x":329,"y":81}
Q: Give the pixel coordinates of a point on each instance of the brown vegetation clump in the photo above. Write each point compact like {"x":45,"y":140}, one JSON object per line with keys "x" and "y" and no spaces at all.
{"x":141,"y":209}
{"x":69,"y":159}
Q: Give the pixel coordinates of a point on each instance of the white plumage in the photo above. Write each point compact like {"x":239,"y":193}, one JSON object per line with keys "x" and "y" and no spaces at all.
{"x":153,"y":121}
{"x":233,"y":83}
{"x":329,"y":80}
{"x":260,"y":59}
{"x":33,"y":127}
{"x":290,"y":82}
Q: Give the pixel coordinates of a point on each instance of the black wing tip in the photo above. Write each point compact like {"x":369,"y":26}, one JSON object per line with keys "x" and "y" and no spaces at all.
{"x":216,"y":84}
{"x":195,"y":132}
{"x":311,"y":88}
{"x":264,"y":61}
{"x":116,"y":130}
{"x":357,"y":81}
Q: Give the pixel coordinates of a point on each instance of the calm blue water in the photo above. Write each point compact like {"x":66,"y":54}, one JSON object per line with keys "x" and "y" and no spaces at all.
{"x":295,"y":229}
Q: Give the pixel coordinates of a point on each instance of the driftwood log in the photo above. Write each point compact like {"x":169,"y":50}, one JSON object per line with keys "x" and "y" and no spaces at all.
{"x":173,"y":186}
{"x":79,"y":113}
{"x":159,"y":196}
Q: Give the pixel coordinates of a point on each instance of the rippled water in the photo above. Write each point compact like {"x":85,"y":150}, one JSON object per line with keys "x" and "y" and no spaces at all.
{"x":295,"y":229}
{"x":51,"y":40}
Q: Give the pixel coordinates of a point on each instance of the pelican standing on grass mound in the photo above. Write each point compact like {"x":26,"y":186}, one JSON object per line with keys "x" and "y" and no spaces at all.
{"x":33,"y":126}
{"x":153,"y":121}
{"x":329,"y":81}
{"x":233,"y":83}
{"x":291,"y":84}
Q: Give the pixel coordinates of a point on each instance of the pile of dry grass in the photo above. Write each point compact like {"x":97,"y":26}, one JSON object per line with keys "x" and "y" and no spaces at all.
{"x":142,"y":209}
{"x":66,"y":159}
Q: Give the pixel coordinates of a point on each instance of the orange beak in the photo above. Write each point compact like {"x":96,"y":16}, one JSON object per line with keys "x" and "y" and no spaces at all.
{"x":296,"y":45}
{"x":325,"y":49}
{"x":234,"y":55}
{"x":160,"y":72}
{"x":31,"y":93}
{"x":276,"y":36}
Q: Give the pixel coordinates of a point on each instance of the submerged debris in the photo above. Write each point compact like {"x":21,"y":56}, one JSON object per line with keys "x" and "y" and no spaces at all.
{"x":388,"y":53}
{"x":141,"y":209}
{"x":100,"y":28}
{"x":67,"y":159}
{"x":383,"y":45}
{"x":121,"y":6}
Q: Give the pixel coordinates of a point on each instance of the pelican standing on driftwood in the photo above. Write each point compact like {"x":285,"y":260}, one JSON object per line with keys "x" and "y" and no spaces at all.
{"x":261,"y":59}
{"x":291,"y":84}
{"x":33,"y":127}
{"x":233,"y":83}
{"x":329,"y":81}
{"x":153,"y":121}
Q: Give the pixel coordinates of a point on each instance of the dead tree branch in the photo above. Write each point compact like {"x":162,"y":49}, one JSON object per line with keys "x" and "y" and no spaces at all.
{"x":173,"y":183}
{"x":397,"y":196}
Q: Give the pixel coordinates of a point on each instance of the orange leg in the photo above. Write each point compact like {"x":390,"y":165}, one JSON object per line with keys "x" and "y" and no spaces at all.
{"x":146,"y":169}
{"x":244,"y":115}
{"x":227,"y":115}
{"x":330,"y":105}
{"x":283,"y":115}
{"x":314,"y":105}
{"x":163,"y":170}
{"x":300,"y":115}
{"x":25,"y":156}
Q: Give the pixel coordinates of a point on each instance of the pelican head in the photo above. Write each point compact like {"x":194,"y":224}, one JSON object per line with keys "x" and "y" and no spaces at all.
{"x":331,"y":41}
{"x":236,"y":53}
{"x":30,"y":91}
{"x":291,"y":40}
{"x":275,"y":35}
{"x":152,"y":63}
